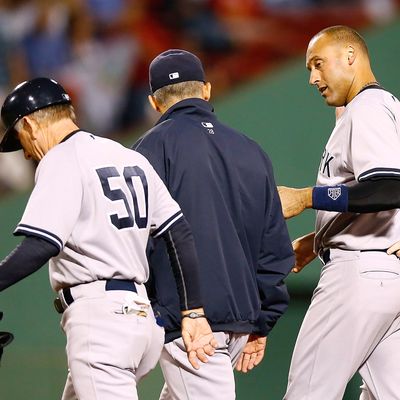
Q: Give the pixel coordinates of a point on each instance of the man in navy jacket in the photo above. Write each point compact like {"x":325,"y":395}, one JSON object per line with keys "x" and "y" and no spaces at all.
{"x":224,"y":183}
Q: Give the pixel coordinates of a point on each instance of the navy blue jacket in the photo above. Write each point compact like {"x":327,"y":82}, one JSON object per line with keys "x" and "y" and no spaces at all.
{"x":224,"y":183}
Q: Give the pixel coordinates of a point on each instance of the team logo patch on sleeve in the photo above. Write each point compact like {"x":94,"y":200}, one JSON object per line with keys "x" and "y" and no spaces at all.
{"x":334,"y":193}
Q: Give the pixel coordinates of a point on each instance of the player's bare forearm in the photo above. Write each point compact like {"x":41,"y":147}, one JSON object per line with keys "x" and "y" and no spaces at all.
{"x":252,"y":354}
{"x":197,"y":337}
{"x":303,"y":248}
{"x":294,"y":201}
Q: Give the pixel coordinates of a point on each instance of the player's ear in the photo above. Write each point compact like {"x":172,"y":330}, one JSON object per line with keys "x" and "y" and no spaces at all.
{"x":153,"y":103}
{"x":28,"y":125}
{"x":351,"y":54}
{"x":207,"y":91}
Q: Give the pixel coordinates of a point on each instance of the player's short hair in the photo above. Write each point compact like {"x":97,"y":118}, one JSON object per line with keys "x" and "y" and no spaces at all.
{"x":170,"y":94}
{"x":51,"y":114}
{"x":341,"y":33}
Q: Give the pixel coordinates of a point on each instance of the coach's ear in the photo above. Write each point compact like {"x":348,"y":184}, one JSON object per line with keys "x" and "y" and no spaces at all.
{"x":207,"y":91}
{"x":154,"y":104}
{"x":30,"y":126}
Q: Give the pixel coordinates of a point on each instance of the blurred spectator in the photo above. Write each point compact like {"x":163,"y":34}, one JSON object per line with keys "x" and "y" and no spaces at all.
{"x":380,"y":11}
{"x":16,"y":22}
{"x":198,"y":25}
{"x":46,"y":46}
{"x":106,"y":12}
{"x":97,"y":72}
{"x":147,"y":24}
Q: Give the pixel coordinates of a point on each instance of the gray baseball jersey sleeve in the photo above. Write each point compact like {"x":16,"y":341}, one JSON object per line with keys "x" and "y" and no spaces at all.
{"x":98,"y":214}
{"x":364,"y":145}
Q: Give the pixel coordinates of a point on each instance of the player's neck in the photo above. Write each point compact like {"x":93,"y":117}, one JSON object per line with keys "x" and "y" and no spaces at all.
{"x":61,"y":129}
{"x":58,"y":131}
{"x":360,"y":84}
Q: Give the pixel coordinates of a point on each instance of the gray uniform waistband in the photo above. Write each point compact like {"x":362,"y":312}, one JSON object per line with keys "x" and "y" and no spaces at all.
{"x":326,"y":255}
{"x":67,"y":296}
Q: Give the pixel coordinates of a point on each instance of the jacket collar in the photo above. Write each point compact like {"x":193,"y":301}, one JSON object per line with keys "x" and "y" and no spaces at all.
{"x":187,"y":106}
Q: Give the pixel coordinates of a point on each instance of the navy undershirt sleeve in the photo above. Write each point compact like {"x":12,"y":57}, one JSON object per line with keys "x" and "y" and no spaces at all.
{"x":363,"y":197}
{"x":31,"y":254}
{"x":374,"y":195}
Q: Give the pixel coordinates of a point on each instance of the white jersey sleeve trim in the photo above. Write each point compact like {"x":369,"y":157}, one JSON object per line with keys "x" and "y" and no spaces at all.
{"x":23,"y":229}
{"x":167,"y":224}
{"x":379,"y":172}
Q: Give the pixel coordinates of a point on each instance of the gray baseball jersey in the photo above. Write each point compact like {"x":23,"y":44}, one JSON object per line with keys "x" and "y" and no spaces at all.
{"x":108,"y":209}
{"x":364,"y":144}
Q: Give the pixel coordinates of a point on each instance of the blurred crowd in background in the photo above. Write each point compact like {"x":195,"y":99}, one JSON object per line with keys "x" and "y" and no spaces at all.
{"x":99,"y":50}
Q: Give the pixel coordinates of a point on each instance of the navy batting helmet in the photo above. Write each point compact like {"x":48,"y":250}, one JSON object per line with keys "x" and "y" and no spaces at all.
{"x":26,"y":98}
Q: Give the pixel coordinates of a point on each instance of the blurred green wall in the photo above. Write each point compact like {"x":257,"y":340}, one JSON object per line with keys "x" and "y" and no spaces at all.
{"x":292,"y":123}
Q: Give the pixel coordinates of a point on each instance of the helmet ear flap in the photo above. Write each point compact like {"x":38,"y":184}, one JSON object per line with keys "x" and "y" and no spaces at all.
{"x":26,"y":98}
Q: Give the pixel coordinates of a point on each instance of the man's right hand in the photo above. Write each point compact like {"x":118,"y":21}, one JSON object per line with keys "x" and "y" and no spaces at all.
{"x":198,"y":338}
{"x":303,"y":248}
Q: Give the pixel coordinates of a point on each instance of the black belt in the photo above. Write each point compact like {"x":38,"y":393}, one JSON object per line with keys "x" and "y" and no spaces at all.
{"x":111,"y":284}
{"x":326,"y":254}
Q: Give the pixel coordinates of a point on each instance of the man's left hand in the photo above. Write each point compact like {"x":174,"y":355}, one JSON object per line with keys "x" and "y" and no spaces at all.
{"x":252,"y":353}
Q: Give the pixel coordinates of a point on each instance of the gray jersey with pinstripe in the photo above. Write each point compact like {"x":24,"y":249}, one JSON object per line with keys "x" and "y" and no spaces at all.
{"x":98,"y":202}
{"x":364,"y":144}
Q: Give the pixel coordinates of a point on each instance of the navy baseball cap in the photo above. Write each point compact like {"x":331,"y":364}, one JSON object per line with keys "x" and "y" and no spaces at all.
{"x":174,"y":66}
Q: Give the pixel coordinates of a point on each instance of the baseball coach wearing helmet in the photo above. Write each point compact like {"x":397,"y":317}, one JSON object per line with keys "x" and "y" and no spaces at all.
{"x":91,"y":212}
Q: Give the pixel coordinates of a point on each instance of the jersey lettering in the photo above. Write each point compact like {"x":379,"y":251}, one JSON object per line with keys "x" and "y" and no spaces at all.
{"x":325,"y":161}
{"x":140,"y":188}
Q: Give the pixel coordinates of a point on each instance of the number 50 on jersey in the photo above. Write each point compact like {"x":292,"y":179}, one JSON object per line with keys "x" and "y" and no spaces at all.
{"x":134,"y":185}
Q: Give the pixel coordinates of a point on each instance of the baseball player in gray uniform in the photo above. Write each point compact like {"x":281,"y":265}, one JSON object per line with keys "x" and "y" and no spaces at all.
{"x":91,"y":212}
{"x":353,"y":322}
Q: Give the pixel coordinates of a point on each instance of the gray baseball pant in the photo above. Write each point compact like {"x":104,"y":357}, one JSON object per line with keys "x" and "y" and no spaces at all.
{"x":214,"y":379}
{"x":352,"y":324}
{"x":108,"y":352}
